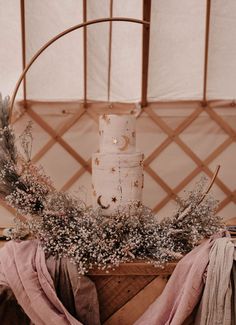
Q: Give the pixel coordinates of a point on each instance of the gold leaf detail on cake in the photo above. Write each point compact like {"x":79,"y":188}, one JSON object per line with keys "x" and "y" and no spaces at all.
{"x":126,"y":143}
{"x":141,"y":163}
{"x":97,"y":161}
{"x":114,"y":140}
{"x":106,"y":118}
{"x":100,"y":203}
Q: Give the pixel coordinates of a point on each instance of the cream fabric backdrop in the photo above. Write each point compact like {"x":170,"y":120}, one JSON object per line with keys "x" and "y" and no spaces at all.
{"x":176,"y":73}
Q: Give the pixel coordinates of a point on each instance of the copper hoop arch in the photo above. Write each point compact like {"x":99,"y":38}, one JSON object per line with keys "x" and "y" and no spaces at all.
{"x":55,"y":38}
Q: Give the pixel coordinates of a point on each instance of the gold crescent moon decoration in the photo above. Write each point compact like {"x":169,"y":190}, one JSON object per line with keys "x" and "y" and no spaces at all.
{"x":126,"y":144}
{"x":100,"y":203}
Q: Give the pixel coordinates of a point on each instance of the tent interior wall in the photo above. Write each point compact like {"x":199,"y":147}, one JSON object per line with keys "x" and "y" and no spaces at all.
{"x":178,"y":76}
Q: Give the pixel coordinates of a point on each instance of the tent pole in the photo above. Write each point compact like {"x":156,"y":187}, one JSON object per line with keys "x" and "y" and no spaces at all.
{"x":145,"y":51}
{"x":207,"y":33}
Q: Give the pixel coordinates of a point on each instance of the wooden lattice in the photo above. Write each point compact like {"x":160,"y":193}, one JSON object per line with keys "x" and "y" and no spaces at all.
{"x":93,"y":110}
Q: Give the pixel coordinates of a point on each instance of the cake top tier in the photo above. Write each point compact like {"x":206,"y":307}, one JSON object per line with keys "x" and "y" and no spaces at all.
{"x":117,"y":133}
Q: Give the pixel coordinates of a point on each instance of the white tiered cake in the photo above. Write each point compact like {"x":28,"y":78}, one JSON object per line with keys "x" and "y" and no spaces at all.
{"x":117,"y":170}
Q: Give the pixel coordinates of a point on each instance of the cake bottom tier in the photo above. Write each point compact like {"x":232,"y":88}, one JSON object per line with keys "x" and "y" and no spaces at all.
{"x":117,"y":179}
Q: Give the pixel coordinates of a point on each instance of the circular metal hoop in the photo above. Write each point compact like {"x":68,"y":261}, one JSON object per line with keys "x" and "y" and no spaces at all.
{"x":55,"y":38}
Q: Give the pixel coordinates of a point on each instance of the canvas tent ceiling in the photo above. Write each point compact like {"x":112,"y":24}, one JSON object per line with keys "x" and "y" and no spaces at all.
{"x":191,"y":61}
{"x":114,"y":51}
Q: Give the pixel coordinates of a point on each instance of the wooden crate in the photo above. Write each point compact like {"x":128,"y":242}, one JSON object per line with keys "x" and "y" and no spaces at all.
{"x":126,"y":292}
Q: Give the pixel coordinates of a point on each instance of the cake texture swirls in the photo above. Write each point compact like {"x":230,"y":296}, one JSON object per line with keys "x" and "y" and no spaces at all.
{"x":117,"y":170}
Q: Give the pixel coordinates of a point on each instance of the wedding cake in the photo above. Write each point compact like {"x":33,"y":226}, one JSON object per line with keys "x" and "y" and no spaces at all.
{"x":117,"y":170}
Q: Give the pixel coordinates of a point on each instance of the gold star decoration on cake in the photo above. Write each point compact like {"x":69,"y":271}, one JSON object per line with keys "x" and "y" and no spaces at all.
{"x":97,"y":161}
{"x":114,"y":140}
{"x":136,"y":183}
{"x":114,"y":199}
{"x":106,"y":118}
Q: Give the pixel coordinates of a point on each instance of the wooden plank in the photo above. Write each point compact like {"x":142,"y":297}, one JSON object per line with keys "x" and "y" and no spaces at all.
{"x":220,"y":121}
{"x":75,"y":177}
{"x":136,"y":268}
{"x":118,"y":291}
{"x":60,"y":132}
{"x":174,"y":104}
{"x":134,"y":308}
{"x":62,"y":142}
{"x":159,"y":180}
{"x":177,"y":131}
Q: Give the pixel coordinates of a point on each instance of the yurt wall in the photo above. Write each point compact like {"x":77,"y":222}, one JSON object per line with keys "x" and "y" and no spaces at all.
{"x":178,"y":77}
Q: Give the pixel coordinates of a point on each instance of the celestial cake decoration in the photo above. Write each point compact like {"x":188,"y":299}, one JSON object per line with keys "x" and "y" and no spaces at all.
{"x":119,"y":163}
{"x":114,"y":140}
{"x":114,"y":199}
{"x":97,"y":161}
{"x":100,"y":203}
{"x":106,"y":118}
{"x":126,"y":143}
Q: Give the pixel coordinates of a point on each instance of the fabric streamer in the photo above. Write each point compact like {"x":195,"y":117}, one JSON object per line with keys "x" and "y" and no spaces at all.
{"x":23,"y":268}
{"x":218,"y":304}
{"x":177,"y":304}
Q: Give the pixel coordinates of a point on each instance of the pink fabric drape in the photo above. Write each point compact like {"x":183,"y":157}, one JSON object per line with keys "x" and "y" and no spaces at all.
{"x":183,"y":291}
{"x":23,"y":268}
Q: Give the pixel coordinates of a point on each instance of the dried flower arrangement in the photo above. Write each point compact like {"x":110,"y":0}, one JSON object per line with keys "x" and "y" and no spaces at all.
{"x":66,"y":227}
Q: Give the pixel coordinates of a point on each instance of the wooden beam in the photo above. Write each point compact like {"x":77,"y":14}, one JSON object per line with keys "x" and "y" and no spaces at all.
{"x":55,"y":136}
{"x":145,"y":51}
{"x":23,"y":44}
{"x":85,"y":51}
{"x":109,"y":53}
{"x":207,"y":32}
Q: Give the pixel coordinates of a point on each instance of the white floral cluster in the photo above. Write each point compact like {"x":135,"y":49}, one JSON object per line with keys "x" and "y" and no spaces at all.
{"x":70,"y":229}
